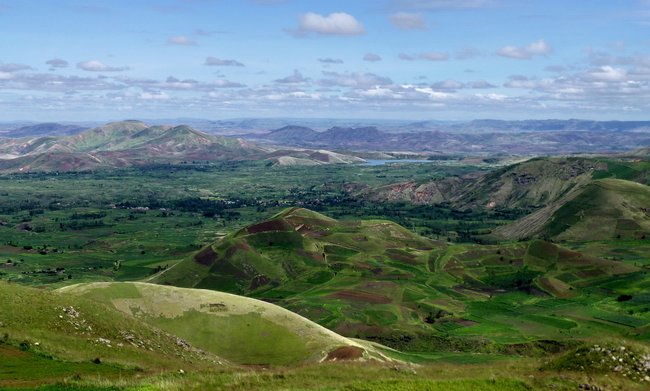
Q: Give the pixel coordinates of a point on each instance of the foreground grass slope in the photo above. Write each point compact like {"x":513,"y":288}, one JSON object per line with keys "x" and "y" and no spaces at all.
{"x":240,"y":329}
{"x":61,"y":334}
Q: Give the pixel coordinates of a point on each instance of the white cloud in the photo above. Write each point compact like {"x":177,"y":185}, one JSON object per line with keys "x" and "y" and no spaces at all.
{"x":154,"y":96}
{"x":330,"y":60}
{"x":371,"y":57}
{"x":214,"y":61}
{"x":481,"y":84}
{"x":427,"y":56}
{"x":434,"y":56}
{"x":451,"y":85}
{"x":181,"y":40}
{"x":223,"y":83}
{"x":537,"y":48}
{"x":519,"y":81}
{"x":98,"y":66}
{"x":12,"y":67}
{"x":337,"y":23}
{"x":354,"y":80}
{"x":408,"y":21}
{"x":295,"y":78}
{"x":606,"y":74}
{"x":57,"y":63}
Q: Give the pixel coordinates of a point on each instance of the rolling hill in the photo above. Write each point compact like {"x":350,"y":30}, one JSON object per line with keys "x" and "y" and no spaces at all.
{"x":529,"y":184}
{"x":603,"y":209}
{"x":376,"y":280}
{"x":127,"y":143}
{"x":240,"y":329}
{"x":105,"y":332}
{"x":77,"y":330}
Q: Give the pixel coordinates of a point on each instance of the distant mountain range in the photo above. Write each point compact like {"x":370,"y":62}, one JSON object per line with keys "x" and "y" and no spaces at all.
{"x":126,"y":143}
{"x":476,"y":137}
{"x":43,"y":129}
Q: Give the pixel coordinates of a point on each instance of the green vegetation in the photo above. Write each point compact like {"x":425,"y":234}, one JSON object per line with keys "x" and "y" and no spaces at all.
{"x":239,"y":329}
{"x":376,"y":280}
{"x":479,"y":295}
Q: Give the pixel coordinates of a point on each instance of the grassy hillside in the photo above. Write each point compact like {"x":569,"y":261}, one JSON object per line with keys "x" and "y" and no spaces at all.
{"x":97,"y":337}
{"x":529,"y":184}
{"x":128,"y":143}
{"x":377,"y":280}
{"x":119,"y":144}
{"x":46,"y":326}
{"x":240,"y":329}
{"x":603,"y":209}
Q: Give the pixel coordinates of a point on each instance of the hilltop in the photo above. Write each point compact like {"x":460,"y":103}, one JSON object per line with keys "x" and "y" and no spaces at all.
{"x":529,"y":184}
{"x":601,"y":210}
{"x":241,"y":330}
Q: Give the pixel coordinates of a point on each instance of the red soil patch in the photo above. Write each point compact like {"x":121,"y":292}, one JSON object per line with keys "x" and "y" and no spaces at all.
{"x":589,"y":273}
{"x":360,"y":296}
{"x":311,"y":255}
{"x":271,"y":225}
{"x":243,"y":246}
{"x":463,"y":322}
{"x":345,"y":353}
{"x":373,"y":285}
{"x":206,"y":257}
{"x":402,"y":256}
{"x":10,"y":351}
{"x":350,"y":328}
{"x":313,"y":234}
{"x":452,"y":264}
{"x":309,"y":222}
{"x":259,"y":281}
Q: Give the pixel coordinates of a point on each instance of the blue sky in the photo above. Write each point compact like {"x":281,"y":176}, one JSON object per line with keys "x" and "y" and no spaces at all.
{"x":401,"y":59}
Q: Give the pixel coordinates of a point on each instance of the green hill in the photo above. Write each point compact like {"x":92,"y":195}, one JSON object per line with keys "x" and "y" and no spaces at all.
{"x":240,"y":329}
{"x":128,"y":143}
{"x":298,"y":247}
{"x":376,"y":280}
{"x":530,"y":184}
{"x":533,"y":183}
{"x":73,"y":329}
{"x":601,"y":210}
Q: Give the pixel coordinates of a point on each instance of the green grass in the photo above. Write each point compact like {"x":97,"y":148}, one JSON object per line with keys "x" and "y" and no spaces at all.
{"x":20,"y":367}
{"x":239,"y":329}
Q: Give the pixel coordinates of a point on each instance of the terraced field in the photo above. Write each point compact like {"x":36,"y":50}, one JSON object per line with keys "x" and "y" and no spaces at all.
{"x":377,"y":280}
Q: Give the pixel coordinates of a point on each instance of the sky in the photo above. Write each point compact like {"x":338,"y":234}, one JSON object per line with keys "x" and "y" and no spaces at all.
{"x":74,"y":60}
